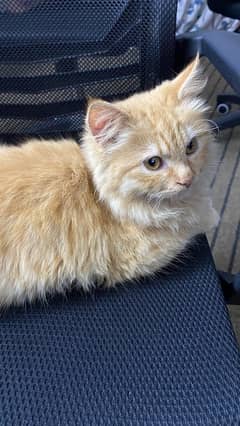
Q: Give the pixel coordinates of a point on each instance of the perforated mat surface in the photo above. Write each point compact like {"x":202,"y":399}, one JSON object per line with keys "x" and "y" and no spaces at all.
{"x":158,"y":353}
{"x":54,"y":54}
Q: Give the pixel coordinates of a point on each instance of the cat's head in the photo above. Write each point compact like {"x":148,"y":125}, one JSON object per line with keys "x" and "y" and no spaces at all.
{"x":150,"y":147}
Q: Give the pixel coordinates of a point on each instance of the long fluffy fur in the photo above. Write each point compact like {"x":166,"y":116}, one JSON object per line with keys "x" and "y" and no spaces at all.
{"x":93,"y":213}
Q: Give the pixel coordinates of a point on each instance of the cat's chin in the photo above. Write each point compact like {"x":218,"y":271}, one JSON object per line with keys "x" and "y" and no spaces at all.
{"x":167,"y":196}
{"x":184,"y":194}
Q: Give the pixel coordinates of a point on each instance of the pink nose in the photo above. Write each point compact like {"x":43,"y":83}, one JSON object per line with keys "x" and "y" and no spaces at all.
{"x":185,"y":182}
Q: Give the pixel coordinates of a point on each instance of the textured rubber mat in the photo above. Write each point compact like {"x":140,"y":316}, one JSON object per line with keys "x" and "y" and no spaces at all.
{"x":161,"y":352}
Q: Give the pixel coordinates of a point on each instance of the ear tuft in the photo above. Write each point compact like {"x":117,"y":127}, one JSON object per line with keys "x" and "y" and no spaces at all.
{"x":191,"y":81}
{"x":105,"y":121}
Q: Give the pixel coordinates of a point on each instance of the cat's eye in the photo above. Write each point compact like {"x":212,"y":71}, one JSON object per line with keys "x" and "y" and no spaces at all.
{"x":192,"y":146}
{"x":153,"y":163}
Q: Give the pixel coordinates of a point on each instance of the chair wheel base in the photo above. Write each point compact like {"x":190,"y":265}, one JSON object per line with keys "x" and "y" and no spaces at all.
{"x":223,"y":109}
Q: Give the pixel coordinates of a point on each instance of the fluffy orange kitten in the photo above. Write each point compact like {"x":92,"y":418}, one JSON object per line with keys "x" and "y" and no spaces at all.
{"x":121,"y":205}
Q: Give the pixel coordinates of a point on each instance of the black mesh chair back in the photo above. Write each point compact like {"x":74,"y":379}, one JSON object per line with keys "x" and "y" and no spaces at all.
{"x":54,"y":54}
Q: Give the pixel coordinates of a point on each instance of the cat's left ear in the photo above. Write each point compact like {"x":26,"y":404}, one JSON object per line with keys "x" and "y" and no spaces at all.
{"x":105,"y":121}
{"x":190,"y":82}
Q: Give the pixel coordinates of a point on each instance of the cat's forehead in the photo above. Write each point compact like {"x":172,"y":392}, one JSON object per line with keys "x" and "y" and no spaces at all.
{"x":157,"y":117}
{"x":163,"y":131}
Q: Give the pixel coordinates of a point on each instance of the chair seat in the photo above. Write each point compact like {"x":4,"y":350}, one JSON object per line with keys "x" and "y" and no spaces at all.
{"x":230,"y":8}
{"x":160,"y":352}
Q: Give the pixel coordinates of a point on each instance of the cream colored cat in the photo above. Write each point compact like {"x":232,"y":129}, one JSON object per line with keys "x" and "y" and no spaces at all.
{"x":123,"y":204}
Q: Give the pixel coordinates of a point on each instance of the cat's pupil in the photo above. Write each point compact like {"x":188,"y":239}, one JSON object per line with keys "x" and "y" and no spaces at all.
{"x":152,"y":161}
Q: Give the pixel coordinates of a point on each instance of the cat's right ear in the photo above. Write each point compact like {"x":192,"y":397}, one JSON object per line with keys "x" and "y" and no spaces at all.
{"x":105,"y":121}
{"x":191,"y":81}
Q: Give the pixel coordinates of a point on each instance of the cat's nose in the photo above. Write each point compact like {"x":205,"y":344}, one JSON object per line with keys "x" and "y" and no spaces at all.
{"x":185,"y":182}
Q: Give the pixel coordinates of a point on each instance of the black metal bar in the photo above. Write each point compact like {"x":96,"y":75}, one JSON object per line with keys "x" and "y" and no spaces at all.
{"x":228,"y":99}
{"x":229,"y":120}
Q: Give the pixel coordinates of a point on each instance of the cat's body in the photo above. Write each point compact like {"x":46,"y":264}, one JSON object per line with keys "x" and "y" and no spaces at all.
{"x":93,"y":213}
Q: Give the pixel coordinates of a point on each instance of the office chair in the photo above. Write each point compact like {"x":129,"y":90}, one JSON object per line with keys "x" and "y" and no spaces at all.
{"x":160,"y":352}
{"x":223,"y":50}
{"x":232,"y":10}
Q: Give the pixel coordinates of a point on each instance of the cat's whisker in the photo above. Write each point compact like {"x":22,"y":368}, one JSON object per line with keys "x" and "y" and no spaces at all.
{"x":214,"y":124}
{"x":201,"y":131}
